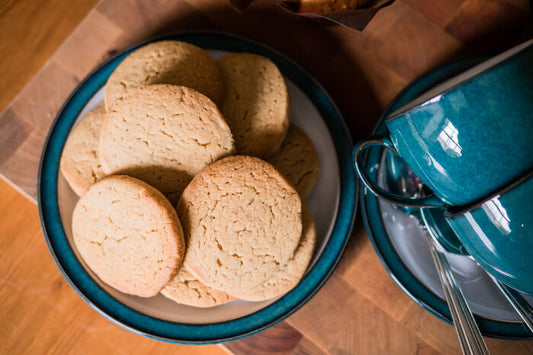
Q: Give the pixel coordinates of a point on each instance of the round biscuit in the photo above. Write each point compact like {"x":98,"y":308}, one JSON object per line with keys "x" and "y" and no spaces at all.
{"x":80,"y":162}
{"x":166,"y":62}
{"x":186,"y":289}
{"x":163,"y":135}
{"x":255,"y":103}
{"x":289,"y":274}
{"x":129,"y":235}
{"x":297,"y":160}
{"x":241,"y":220}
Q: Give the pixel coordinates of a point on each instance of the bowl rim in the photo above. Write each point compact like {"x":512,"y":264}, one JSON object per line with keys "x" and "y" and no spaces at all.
{"x":137,"y":322}
{"x":513,"y":53}
{"x":459,"y":211}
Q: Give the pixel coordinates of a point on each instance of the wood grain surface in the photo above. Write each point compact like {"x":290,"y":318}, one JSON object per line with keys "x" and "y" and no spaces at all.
{"x":360,"y":310}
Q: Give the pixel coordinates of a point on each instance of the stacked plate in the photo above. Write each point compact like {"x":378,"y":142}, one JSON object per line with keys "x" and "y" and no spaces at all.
{"x":399,"y":241}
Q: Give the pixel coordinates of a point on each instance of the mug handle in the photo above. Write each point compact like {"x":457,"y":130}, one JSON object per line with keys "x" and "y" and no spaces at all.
{"x":430,"y":201}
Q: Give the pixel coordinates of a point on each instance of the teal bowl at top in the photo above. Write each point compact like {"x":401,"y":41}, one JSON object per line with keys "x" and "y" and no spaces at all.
{"x":472,"y":134}
{"x":498,"y":233}
{"x":476,"y":136}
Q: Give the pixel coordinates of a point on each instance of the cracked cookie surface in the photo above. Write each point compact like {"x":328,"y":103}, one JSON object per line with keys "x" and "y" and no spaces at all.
{"x":256,"y":103}
{"x":129,"y":235}
{"x":297,"y":160}
{"x":289,"y":274}
{"x":186,"y":289}
{"x":163,"y":135}
{"x":80,"y":161}
{"x":241,"y":220}
{"x":166,"y":62}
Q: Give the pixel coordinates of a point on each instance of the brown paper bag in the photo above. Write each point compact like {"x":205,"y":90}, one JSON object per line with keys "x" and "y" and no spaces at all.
{"x":355,"y":14}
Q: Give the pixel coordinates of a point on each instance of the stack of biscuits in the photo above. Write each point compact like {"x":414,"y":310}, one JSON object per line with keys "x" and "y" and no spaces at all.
{"x":191,"y":179}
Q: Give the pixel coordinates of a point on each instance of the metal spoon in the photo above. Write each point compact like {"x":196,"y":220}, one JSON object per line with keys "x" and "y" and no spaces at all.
{"x":439,"y":229}
{"x":401,"y":180}
{"x":520,"y":305}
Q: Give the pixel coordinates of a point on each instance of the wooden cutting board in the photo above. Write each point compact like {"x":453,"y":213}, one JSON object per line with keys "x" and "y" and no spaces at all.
{"x":360,"y":310}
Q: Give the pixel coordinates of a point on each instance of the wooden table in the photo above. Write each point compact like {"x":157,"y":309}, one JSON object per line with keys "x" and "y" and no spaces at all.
{"x":360,"y":310}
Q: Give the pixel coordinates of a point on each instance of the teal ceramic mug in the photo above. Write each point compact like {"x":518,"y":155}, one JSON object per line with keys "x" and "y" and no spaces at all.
{"x":468,"y":136}
{"x":498,"y":233}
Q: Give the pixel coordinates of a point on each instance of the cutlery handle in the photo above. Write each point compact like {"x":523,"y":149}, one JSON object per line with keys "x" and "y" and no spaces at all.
{"x":467,"y":330}
{"x":520,"y":305}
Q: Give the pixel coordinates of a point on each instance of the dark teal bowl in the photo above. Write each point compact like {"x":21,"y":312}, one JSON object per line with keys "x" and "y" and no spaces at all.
{"x":498,"y":233}
{"x":102,"y":300}
{"x":470,"y":137}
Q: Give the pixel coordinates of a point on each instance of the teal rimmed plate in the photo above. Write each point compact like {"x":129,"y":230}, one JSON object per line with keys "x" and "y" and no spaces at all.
{"x":333,"y":203}
{"x":400,"y":244}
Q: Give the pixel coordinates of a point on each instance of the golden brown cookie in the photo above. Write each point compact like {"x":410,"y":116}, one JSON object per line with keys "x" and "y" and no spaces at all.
{"x":241,"y":220}
{"x":129,"y":235}
{"x":163,"y":135}
{"x":80,"y":163}
{"x":166,"y":62}
{"x":255,"y":104}
{"x":297,"y":160}
{"x":186,"y":289}
{"x":290,"y":273}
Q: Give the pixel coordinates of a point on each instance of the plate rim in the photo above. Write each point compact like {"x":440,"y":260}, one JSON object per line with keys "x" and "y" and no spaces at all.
{"x":388,"y":257}
{"x":151,"y":327}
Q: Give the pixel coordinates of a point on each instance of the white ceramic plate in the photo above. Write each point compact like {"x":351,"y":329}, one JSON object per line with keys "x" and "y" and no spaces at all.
{"x":159,"y":317}
{"x":322,"y":201}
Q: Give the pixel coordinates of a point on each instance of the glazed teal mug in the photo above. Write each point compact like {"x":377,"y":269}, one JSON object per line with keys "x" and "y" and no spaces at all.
{"x":468,"y":136}
{"x":498,"y":233}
